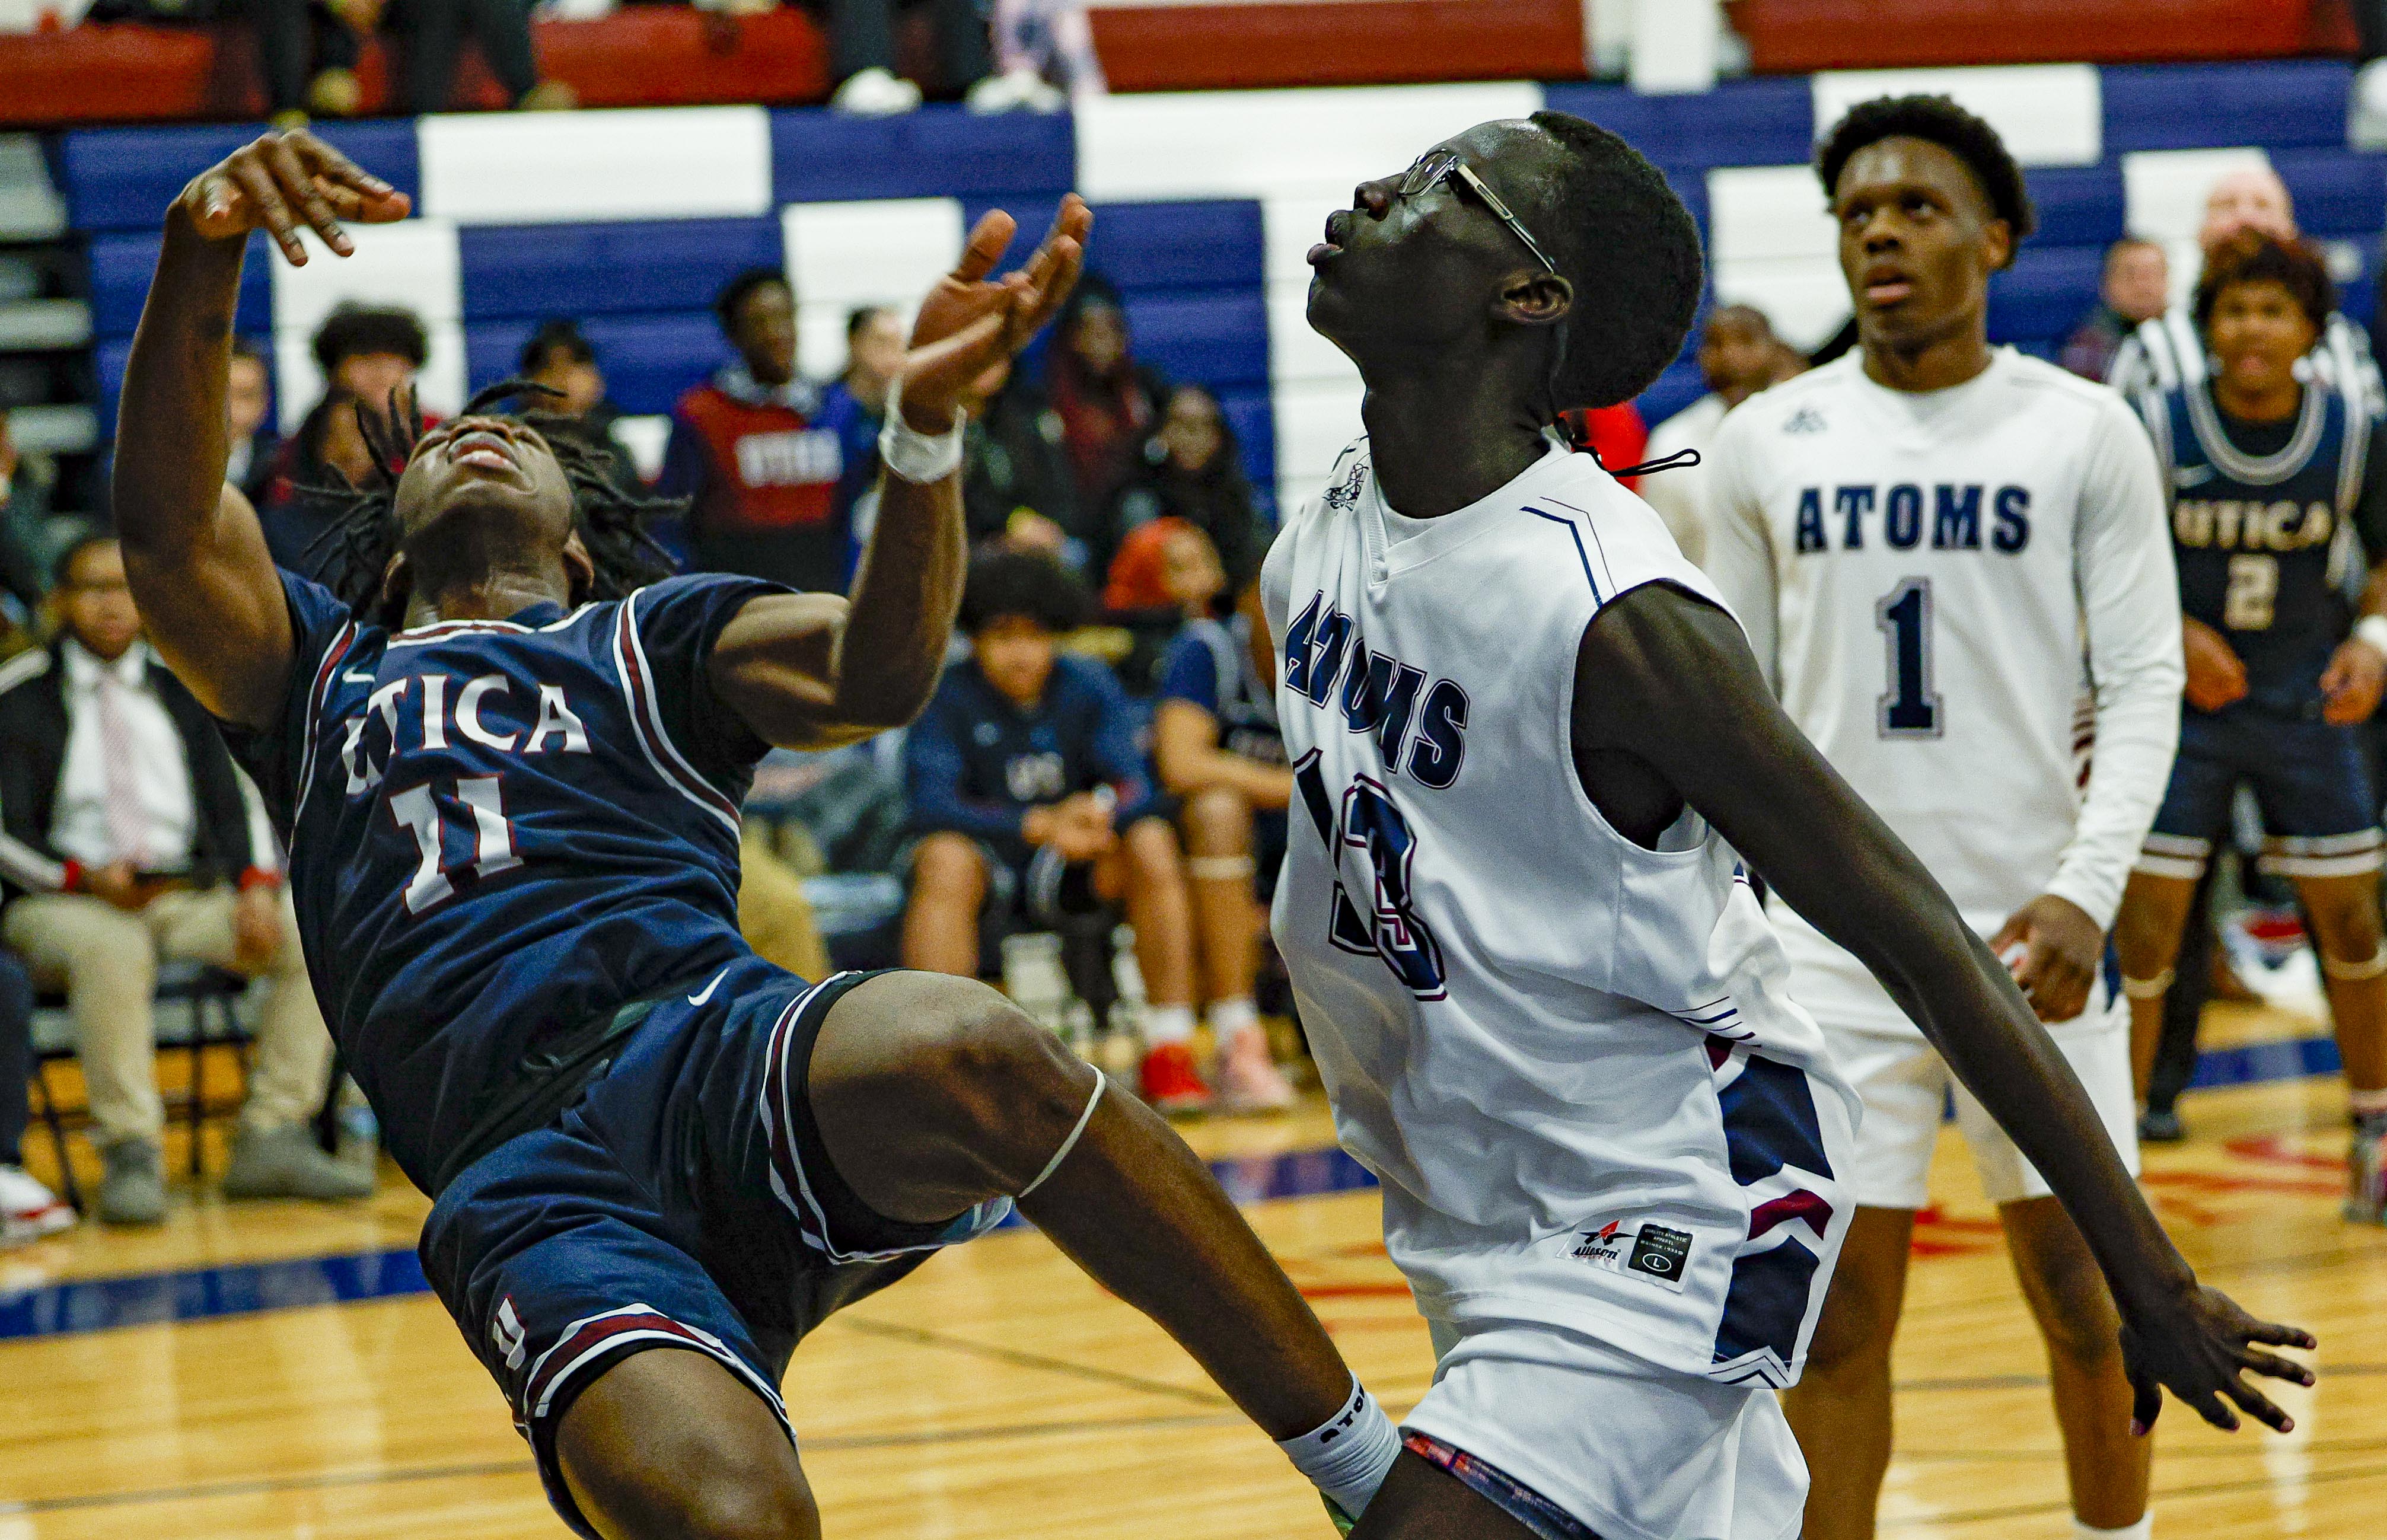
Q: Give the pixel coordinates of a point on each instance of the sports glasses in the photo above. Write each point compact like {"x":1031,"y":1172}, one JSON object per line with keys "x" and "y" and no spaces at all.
{"x":1445,"y":165}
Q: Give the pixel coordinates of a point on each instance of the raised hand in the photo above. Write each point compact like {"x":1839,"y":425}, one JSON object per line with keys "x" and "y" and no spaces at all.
{"x":281,"y":181}
{"x":2199,"y":1345}
{"x":971,"y":326}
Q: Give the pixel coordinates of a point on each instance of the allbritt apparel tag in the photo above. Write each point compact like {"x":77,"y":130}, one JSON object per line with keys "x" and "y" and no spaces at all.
{"x":1659,"y":1254}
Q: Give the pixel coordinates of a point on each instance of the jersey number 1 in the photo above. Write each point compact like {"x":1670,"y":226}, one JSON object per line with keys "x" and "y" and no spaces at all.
{"x":1910,"y":708}
{"x":417,"y":811}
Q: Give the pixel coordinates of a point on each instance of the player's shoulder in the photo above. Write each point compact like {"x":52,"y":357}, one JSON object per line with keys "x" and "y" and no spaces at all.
{"x":1799,"y":407}
{"x":1344,"y":485}
{"x":2100,"y":409}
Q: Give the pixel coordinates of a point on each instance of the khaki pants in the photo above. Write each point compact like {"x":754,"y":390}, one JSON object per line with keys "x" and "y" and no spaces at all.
{"x":774,"y":913}
{"x":107,"y":960}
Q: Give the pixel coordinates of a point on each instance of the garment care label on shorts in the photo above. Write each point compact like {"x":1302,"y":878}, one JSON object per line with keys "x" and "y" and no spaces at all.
{"x":1655,"y":1252}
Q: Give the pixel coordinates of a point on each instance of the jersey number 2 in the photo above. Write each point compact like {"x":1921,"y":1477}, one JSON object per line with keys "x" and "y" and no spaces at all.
{"x":417,"y":811}
{"x":1910,"y":708}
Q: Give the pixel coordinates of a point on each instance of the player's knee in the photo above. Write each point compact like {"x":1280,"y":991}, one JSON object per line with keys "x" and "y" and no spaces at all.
{"x":1219,"y":822}
{"x":754,"y":1506}
{"x":985,"y":1077}
{"x":948,"y":867}
{"x":2075,"y":1312}
{"x":1858,"y":1324}
{"x":1152,"y":850}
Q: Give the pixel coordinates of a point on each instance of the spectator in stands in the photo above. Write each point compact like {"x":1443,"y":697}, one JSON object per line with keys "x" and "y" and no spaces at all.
{"x":862,"y":55}
{"x":1192,"y":470}
{"x":1028,"y":790}
{"x":2135,"y":289}
{"x":248,"y":406}
{"x":125,"y":842}
{"x":558,"y":357}
{"x":1166,"y":573}
{"x":1739,"y":356}
{"x":24,"y":577}
{"x":310,"y":50}
{"x":1216,"y":743}
{"x":747,"y":451}
{"x":1016,"y":484}
{"x":2166,"y":350}
{"x":369,"y":355}
{"x":1036,"y":43}
{"x":855,"y":406}
{"x":28,"y":1210}
{"x":1109,"y":404}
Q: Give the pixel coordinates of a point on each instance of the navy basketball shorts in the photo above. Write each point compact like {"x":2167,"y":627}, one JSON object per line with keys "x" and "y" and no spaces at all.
{"x":2311,"y":782}
{"x":685,"y":1201}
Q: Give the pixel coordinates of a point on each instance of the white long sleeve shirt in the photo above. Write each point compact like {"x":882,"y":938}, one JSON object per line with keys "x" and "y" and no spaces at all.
{"x":1923,"y":575}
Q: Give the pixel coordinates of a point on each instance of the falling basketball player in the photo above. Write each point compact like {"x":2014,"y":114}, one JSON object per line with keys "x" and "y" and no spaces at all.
{"x":507,"y":750}
{"x":1527,"y":739}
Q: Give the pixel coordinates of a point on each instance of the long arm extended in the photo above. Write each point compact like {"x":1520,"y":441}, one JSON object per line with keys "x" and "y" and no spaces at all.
{"x":193,"y":550}
{"x":813,"y":670}
{"x":1665,"y":680}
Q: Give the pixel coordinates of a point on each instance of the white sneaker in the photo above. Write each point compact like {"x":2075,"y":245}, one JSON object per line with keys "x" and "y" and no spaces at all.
{"x":1248,"y":1078}
{"x":28,"y":1210}
{"x":1021,"y":90}
{"x":876,"y":93}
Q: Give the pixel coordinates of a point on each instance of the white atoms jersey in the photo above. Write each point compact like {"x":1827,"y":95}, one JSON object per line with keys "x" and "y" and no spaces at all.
{"x":1572,"y":1061}
{"x":1923,"y":575}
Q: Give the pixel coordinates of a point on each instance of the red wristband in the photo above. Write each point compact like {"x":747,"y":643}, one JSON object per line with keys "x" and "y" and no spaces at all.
{"x":70,"y":877}
{"x":258,"y":877}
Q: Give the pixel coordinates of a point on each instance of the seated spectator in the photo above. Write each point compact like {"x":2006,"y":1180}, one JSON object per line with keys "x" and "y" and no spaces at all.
{"x":1739,"y":356}
{"x":1029,"y":790}
{"x":370,"y":356}
{"x":248,"y":406}
{"x":855,"y":406}
{"x":2135,"y":289}
{"x":747,"y":451}
{"x":1108,"y":403}
{"x":2167,"y":351}
{"x":1017,"y":486}
{"x":24,"y":558}
{"x":862,"y":55}
{"x":558,"y":357}
{"x":310,"y":48}
{"x":28,"y":1210}
{"x":773,"y":914}
{"x":1216,"y":742}
{"x":1037,"y":43}
{"x":1193,"y":471}
{"x":124,"y":842}
{"x":1165,"y":575}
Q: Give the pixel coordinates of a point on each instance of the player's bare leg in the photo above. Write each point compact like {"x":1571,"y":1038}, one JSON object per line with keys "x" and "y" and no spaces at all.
{"x":983,"y":1099}
{"x":2106,"y":1464}
{"x":2345,"y":913}
{"x":940,"y":921}
{"x":668,"y":1444}
{"x":2146,"y":936}
{"x":1840,"y":1408}
{"x":1421,"y":1501}
{"x":1218,"y":822}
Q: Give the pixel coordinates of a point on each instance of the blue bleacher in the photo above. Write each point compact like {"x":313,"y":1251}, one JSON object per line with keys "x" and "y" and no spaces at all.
{"x":121,"y":268}
{"x":1758,"y":122}
{"x":2078,"y":205}
{"x":532,"y":271}
{"x":122,"y":179}
{"x":649,"y":360}
{"x":2046,"y":292}
{"x":822,"y":156}
{"x":2279,"y":104}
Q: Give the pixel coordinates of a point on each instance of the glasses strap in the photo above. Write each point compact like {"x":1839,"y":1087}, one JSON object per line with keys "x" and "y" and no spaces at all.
{"x":1681,"y":459}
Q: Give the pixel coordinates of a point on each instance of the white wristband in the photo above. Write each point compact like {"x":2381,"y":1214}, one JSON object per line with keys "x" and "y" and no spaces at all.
{"x":2373,"y":629}
{"x":919,"y":458}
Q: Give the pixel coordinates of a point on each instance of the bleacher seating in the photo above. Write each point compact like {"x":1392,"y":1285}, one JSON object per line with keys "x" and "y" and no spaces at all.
{"x":1205,"y":204}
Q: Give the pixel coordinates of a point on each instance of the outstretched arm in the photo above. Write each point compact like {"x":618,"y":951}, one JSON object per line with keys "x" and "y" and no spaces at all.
{"x":1666,"y":685}
{"x":813,"y":670}
{"x":193,"y":551}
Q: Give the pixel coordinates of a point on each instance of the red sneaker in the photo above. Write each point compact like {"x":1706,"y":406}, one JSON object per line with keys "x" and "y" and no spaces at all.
{"x":1171,"y":1084}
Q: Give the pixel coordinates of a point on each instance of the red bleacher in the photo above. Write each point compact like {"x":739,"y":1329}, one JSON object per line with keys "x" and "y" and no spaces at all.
{"x":1798,"y":36}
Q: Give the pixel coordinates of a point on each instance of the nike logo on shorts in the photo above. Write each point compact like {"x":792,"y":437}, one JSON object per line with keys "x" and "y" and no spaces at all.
{"x":701,"y":996}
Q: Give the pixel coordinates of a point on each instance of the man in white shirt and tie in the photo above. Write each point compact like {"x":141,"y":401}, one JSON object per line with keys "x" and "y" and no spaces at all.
{"x":125,"y":840}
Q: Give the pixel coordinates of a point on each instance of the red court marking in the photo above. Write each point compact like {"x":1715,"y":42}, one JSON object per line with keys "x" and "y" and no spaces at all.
{"x":2273,"y":1149}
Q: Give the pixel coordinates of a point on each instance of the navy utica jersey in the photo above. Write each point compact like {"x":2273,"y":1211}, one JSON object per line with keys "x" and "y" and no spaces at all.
{"x":499,"y":830}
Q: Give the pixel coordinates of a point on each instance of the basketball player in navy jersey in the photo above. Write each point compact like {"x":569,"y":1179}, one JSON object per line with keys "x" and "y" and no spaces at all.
{"x":1545,"y":1009}
{"x":508,"y":755}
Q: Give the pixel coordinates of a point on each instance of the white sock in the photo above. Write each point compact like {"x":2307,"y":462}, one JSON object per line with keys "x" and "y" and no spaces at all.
{"x":1347,"y":1455}
{"x":2365,"y":1103}
{"x":1229,"y":1017}
{"x":2140,"y":1531}
{"x":1166,"y":1024}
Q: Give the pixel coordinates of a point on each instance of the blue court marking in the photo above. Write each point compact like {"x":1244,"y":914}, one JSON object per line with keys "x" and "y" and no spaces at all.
{"x":248,"y":1288}
{"x":1580,"y":555}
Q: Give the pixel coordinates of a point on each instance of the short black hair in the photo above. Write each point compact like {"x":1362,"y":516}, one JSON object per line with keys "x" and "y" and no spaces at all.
{"x":1027,"y":583}
{"x":1632,"y":251}
{"x":2253,"y":256}
{"x":253,"y":350}
{"x":1940,"y":121}
{"x":552,"y":337}
{"x":62,"y":569}
{"x":358,"y":331}
{"x":863,"y":315}
{"x":734,"y":294}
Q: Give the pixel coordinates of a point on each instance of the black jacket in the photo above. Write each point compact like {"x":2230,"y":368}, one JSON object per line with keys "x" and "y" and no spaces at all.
{"x":34,"y":750}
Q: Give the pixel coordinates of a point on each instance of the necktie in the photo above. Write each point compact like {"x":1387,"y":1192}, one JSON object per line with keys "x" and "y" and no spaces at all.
{"x":128,"y":823}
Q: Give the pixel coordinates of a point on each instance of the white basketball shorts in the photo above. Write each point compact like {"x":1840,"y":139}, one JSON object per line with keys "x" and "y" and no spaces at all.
{"x":1905,"y":1085}
{"x":1630,"y":1450}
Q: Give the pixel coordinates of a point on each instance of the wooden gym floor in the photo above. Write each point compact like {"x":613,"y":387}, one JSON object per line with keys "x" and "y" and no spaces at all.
{"x":998,"y":1393}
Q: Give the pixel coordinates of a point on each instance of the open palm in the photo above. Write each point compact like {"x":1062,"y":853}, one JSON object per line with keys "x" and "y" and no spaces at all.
{"x":971,"y":326}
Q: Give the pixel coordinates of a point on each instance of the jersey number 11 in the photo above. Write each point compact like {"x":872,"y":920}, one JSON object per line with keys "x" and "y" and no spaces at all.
{"x":417,"y":811}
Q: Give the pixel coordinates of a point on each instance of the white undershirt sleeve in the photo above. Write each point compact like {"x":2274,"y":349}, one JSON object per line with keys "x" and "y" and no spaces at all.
{"x":1740,"y":545}
{"x":2129,"y":602}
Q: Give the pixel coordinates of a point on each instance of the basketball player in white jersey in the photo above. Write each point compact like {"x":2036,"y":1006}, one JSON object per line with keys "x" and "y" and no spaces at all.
{"x":1922,"y":538}
{"x":1547,"y":1010}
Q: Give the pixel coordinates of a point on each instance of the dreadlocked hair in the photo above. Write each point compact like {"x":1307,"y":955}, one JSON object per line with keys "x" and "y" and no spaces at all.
{"x":357,"y":546}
